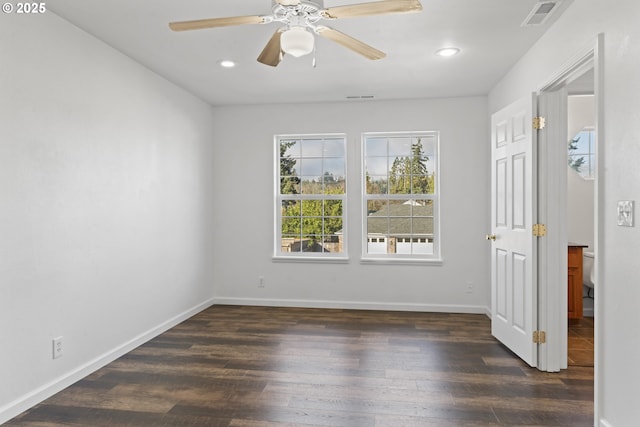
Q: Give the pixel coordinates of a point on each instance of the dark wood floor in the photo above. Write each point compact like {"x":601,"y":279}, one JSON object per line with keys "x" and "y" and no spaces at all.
{"x":581,"y":342}
{"x":286,"y":367}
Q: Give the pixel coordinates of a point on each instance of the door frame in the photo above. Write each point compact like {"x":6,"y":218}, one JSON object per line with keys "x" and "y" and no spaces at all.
{"x":552,"y":273}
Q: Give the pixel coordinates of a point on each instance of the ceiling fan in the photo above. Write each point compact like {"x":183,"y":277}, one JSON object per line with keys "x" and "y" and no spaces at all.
{"x":300,"y":19}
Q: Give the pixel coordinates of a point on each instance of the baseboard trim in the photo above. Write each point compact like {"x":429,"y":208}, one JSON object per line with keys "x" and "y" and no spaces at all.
{"x":31,"y":399}
{"x":604,"y":423}
{"x":354,"y":305}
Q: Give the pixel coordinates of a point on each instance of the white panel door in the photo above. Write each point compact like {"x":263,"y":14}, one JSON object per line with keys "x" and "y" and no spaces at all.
{"x":513,"y":248}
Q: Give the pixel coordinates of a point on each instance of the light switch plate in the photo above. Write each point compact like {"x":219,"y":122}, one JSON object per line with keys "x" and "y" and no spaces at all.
{"x":625,"y":213}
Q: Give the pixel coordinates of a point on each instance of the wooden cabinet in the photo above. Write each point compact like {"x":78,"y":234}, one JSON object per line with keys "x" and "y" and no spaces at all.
{"x":574,"y":282}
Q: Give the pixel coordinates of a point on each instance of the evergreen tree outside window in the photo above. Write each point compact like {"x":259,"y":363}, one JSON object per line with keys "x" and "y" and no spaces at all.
{"x":310,"y":196}
{"x":400,"y":186}
{"x":582,"y":153}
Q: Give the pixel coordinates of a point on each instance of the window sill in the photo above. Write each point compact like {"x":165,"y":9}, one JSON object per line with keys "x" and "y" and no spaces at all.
{"x":403,"y":261}
{"x":310,"y":259}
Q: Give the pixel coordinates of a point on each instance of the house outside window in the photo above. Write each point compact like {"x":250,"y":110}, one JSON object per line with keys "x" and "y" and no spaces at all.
{"x":310,"y":196}
{"x":400,"y":188}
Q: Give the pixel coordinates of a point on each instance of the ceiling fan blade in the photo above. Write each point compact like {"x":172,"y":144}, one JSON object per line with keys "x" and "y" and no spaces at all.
{"x":350,"y":43}
{"x":272,"y":52}
{"x":372,"y":8}
{"x":216,"y":22}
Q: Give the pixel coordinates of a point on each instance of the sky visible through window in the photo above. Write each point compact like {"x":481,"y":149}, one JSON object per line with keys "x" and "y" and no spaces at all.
{"x":582,"y":154}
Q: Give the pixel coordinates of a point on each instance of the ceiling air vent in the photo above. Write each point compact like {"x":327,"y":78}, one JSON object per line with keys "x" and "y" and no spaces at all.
{"x":540,"y":13}
{"x":360,"y":96}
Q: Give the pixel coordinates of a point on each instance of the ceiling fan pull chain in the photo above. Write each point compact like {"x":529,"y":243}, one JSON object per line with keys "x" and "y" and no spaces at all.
{"x":313,"y":61}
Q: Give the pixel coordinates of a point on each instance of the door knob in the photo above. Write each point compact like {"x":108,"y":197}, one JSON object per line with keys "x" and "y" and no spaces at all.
{"x":491,"y":237}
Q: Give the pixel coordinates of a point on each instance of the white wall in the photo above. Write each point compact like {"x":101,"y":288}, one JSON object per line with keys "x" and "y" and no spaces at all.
{"x":580,"y":191}
{"x":104,"y":205}
{"x":618,"y":375}
{"x":580,"y":211}
{"x":244,"y":218}
{"x":581,"y":110}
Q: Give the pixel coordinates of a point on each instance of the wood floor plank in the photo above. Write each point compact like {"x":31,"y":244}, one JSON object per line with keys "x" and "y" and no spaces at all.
{"x":235,"y":366}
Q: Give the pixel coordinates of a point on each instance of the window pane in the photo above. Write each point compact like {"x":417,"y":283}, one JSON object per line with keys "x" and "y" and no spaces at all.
{"x":333,"y":178}
{"x":337,"y":187}
{"x":400,"y":226}
{"x":421,"y":184}
{"x":291,"y":226}
{"x":429,"y":144}
{"x":377,"y":225}
{"x":422,"y":208}
{"x":583,"y":145}
{"x":399,"y":208}
{"x":377,"y":184}
{"x":311,"y":167}
{"x":290,"y":185}
{"x":399,"y":147}
{"x":311,"y":207}
{"x":334,"y":148}
{"x":334,"y":167}
{"x":332,"y":225}
{"x":312,"y":148}
{"x":375,"y":206}
{"x":400,"y":184}
{"x":405,"y":224}
{"x":311,"y":185}
{"x":290,"y":208}
{"x":376,"y":147}
{"x":311,"y":226}
{"x":333,"y":208}
{"x":309,"y":244}
{"x":423,"y":227}
{"x":376,"y":166}
{"x":289,"y":148}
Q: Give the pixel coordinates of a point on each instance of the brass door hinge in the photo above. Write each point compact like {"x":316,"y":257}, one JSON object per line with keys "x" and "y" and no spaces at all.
{"x":539,"y":122}
{"x":539,"y":337}
{"x":539,"y":230}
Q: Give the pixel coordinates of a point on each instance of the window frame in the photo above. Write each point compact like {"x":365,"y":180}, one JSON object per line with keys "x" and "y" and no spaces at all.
{"x":393,"y":258}
{"x":278,"y":254}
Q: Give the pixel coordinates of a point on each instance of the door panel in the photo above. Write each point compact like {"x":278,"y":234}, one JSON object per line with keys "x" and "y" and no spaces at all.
{"x":519,"y":286}
{"x":513,"y":252}
{"x":501,"y":284}
{"x":501,"y":193}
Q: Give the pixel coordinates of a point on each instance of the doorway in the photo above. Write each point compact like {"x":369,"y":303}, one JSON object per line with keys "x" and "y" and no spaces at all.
{"x":553,"y":268}
{"x":581,"y":169}
{"x":548,"y":317}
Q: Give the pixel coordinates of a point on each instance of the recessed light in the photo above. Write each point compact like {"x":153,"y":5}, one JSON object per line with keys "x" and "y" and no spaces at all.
{"x":227,"y":63}
{"x":448,"y":51}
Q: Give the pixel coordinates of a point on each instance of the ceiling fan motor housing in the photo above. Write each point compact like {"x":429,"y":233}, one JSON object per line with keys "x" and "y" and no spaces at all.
{"x":298,"y":13}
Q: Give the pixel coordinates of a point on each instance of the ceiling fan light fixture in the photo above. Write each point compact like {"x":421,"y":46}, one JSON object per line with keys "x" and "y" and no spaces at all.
{"x":297,"y":41}
{"x":227,"y":63}
{"x":448,"y":51}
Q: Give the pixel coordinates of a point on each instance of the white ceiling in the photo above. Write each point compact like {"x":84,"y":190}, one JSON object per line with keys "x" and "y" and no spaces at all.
{"x":488,"y":32}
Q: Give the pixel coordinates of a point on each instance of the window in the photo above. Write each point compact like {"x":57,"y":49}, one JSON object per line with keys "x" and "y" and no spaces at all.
{"x":400,"y":186}
{"x":311,"y":196}
{"x":582,"y":153}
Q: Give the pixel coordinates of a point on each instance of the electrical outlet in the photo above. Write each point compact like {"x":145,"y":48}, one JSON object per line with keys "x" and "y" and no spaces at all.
{"x":58,"y":348}
{"x":261,"y":282}
{"x":469,"y":288}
